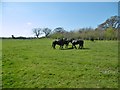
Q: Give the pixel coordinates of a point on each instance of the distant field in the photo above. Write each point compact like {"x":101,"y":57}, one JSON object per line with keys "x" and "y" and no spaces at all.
{"x":34,"y":64}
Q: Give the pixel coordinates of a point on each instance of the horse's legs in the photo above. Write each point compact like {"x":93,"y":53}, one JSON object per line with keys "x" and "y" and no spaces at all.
{"x":75,"y":47}
{"x":61,"y":47}
{"x":79,"y":47}
{"x":54,"y":46}
{"x":72,"y":47}
{"x":66,"y":46}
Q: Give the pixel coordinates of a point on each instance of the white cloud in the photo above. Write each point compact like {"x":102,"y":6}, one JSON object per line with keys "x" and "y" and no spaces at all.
{"x":29,"y":23}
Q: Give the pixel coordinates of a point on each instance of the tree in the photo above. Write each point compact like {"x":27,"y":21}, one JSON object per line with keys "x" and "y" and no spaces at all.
{"x":99,"y":34}
{"x":37,"y":31}
{"x":110,"y":33}
{"x":13,"y":37}
{"x":59,"y":32}
{"x":110,"y":22}
{"x":47,"y":31}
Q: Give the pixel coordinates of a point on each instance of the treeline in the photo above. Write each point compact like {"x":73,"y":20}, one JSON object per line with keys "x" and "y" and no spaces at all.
{"x":108,"y":30}
{"x":87,"y":34}
{"x":17,"y":37}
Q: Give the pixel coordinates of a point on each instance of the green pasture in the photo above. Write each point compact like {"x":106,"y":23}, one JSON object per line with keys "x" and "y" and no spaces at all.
{"x":35,"y":64}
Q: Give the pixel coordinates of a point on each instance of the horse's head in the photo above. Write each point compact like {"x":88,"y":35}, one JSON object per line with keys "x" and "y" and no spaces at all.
{"x":70,"y":40}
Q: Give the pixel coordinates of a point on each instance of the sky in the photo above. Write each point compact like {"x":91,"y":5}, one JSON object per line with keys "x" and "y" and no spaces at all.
{"x":19,"y":18}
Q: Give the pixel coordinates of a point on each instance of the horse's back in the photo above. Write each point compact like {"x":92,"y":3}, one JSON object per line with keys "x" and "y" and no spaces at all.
{"x":81,"y":40}
{"x":75,"y":42}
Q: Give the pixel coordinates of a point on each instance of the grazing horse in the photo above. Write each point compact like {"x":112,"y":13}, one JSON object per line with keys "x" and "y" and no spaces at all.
{"x":60,"y":42}
{"x":79,"y":42}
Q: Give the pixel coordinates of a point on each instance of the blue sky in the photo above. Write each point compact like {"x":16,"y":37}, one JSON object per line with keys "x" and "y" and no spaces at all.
{"x":19,"y":18}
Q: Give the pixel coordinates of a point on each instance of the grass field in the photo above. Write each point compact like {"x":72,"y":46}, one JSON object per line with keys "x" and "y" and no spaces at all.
{"x":34,"y":64}
{"x":0,"y":63}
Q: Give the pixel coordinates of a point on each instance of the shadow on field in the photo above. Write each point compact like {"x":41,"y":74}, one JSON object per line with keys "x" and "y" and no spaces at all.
{"x":76,"y":49}
{"x":86,"y":48}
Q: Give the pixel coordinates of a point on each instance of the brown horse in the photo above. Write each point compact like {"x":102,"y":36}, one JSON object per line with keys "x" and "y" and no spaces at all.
{"x":60,"y":42}
{"x":80,"y":42}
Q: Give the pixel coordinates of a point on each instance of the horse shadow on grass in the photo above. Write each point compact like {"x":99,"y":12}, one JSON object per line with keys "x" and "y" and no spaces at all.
{"x":75,"y":49}
{"x":86,"y":48}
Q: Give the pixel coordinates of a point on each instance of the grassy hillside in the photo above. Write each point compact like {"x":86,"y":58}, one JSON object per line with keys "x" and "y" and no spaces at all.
{"x":34,"y":64}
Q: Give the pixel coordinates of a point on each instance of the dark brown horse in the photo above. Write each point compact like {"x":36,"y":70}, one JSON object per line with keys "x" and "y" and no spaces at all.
{"x":61,"y":43}
{"x":80,"y":42}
